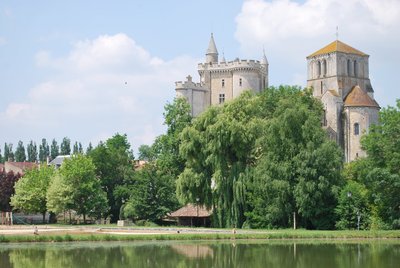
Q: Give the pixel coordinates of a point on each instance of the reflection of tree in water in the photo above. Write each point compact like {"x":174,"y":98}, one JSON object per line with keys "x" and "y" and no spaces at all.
{"x":217,"y":254}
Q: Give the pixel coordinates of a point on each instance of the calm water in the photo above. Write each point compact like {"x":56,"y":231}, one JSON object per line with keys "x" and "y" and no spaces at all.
{"x":203,"y":254}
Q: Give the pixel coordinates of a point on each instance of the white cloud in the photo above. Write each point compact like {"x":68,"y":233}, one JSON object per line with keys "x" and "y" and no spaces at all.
{"x":102,"y":86}
{"x":290,"y":31}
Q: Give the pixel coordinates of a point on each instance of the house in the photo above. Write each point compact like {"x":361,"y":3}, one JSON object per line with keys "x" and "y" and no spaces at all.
{"x":18,"y":167}
{"x":192,"y":215}
{"x":57,"y":162}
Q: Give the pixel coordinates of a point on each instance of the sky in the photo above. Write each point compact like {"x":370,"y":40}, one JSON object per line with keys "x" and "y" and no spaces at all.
{"x":89,"y":69}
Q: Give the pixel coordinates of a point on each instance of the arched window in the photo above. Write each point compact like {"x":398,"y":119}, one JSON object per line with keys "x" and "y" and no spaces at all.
{"x":240,"y":81}
{"x":319,"y":68}
{"x":356,"y":129}
{"x":348,"y":68}
{"x":223,"y":82}
{"x":355,"y":68}
{"x":325,"y":67}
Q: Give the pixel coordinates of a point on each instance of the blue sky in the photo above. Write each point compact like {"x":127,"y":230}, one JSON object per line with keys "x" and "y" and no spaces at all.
{"x":64,"y":64}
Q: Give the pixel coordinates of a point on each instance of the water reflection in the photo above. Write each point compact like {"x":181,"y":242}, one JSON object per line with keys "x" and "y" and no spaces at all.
{"x":203,"y":254}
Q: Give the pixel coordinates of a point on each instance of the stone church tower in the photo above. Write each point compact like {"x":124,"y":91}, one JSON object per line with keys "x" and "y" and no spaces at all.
{"x":339,"y":77}
{"x":222,"y":80}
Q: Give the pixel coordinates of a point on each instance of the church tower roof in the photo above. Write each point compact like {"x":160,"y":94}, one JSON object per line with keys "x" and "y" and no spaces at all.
{"x":337,"y":46}
{"x":212,"y":48}
{"x":359,"y":98}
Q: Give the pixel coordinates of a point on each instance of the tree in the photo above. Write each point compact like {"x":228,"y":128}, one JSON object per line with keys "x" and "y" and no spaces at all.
{"x":20,"y":155}
{"x":54,"y":149}
{"x":80,"y":148}
{"x":383,"y":140}
{"x":297,"y":177}
{"x":32,"y":151}
{"x":257,"y":159}
{"x":59,"y":195}
{"x":44,"y":151}
{"x":1,"y":158}
{"x":112,"y":160}
{"x":65,"y":148}
{"x":152,"y":196}
{"x":353,"y":203}
{"x":75,"y":148}
{"x":8,"y":152}
{"x":7,"y":182}
{"x":87,"y":197}
{"x":89,"y":148}
{"x":146,"y":153}
{"x":31,"y":190}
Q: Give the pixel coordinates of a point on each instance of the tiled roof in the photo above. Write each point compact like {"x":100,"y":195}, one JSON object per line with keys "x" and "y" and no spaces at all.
{"x":23,"y":165}
{"x":338,"y":46}
{"x":359,"y":98}
{"x":191,"y":210}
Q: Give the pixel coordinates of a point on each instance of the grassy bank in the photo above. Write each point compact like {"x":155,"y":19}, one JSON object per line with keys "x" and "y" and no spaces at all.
{"x":265,"y":235}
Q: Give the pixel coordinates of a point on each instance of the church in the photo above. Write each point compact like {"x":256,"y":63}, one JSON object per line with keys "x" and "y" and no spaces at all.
{"x":337,"y":73}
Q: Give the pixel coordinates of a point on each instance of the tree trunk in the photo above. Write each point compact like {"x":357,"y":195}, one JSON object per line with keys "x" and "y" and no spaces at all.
{"x":44,"y":217}
{"x":294,"y":221}
{"x":84,"y":218}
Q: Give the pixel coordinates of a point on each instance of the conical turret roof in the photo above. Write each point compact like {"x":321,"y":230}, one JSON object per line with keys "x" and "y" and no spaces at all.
{"x":212,"y":48}
{"x":264,"y":58}
{"x":359,"y":98}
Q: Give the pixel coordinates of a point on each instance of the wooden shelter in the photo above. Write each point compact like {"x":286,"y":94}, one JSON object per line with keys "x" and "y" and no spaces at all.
{"x":192,"y":215}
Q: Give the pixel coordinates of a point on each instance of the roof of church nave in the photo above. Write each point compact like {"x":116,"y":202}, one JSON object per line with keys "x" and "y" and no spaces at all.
{"x":359,"y":98}
{"x":337,"y":46}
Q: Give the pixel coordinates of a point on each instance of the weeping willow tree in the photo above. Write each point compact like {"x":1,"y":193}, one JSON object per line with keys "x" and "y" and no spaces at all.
{"x":219,"y":149}
{"x":259,"y":158}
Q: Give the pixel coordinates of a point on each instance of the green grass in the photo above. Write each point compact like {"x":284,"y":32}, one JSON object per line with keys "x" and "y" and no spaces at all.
{"x":249,"y":234}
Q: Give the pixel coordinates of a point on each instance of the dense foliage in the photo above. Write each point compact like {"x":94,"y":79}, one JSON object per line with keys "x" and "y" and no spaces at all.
{"x":259,"y":159}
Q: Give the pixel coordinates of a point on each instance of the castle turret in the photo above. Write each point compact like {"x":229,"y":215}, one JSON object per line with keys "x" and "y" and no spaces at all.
{"x":212,"y":52}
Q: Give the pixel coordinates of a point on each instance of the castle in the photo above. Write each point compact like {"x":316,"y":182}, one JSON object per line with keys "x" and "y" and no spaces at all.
{"x":222,"y":80}
{"x":337,"y":73}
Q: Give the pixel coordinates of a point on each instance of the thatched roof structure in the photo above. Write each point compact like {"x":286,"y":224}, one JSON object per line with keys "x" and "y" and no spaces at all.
{"x":191,"y":210}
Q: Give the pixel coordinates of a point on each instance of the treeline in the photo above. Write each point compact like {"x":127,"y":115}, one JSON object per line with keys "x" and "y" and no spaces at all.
{"x":259,"y":161}
{"x":33,"y":153}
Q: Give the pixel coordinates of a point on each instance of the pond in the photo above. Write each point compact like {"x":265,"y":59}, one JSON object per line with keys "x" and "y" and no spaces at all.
{"x":232,"y":253}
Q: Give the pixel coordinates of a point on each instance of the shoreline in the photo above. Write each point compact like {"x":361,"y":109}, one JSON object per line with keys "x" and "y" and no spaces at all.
{"x":48,"y":233}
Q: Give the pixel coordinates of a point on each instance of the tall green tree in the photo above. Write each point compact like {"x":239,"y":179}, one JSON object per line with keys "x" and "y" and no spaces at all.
{"x":44,"y":151}
{"x":89,"y":148}
{"x":75,"y":149}
{"x":152,"y":196}
{"x":298,"y":176}
{"x":114,"y":168}
{"x":146,"y":153}
{"x":20,"y":155}
{"x":31,"y":148}
{"x":258,"y":159}
{"x":353,"y":205}
{"x":59,"y":195}
{"x":31,"y":190}
{"x":54,"y":149}
{"x":87,"y":196}
{"x":8,"y":152}
{"x":1,"y":158}
{"x":65,"y":148}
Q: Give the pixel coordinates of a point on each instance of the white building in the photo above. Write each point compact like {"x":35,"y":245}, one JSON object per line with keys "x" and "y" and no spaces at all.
{"x":222,"y":80}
